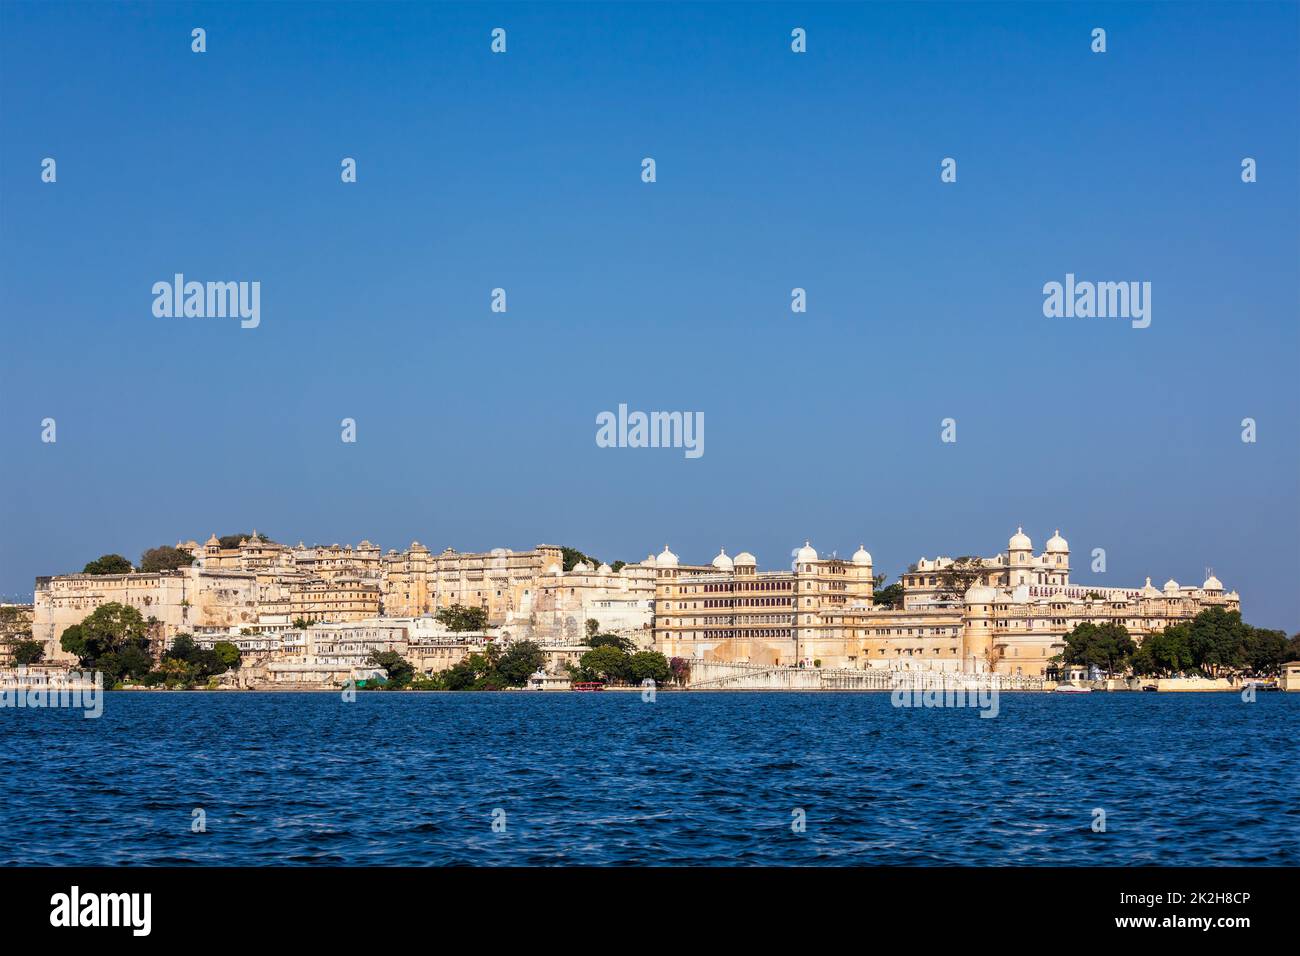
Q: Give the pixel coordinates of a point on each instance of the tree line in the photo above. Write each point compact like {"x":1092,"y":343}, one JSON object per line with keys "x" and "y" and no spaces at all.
{"x":611,"y":659}
{"x":114,"y":640}
{"x":1215,"y":643}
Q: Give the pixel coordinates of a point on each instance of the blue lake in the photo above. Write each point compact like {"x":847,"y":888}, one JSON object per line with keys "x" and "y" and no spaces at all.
{"x":692,"y":778}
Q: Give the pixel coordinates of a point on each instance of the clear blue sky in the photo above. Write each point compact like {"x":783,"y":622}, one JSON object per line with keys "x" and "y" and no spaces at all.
{"x":775,"y":170}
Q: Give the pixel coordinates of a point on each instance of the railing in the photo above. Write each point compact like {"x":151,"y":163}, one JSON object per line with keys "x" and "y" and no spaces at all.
{"x":871,"y":678}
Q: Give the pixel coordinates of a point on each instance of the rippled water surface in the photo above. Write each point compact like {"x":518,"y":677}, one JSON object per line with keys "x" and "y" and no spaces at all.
{"x":692,"y":778}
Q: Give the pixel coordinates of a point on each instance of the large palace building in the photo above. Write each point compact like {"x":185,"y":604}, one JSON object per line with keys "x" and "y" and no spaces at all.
{"x":1008,"y":614}
{"x":261,"y":586}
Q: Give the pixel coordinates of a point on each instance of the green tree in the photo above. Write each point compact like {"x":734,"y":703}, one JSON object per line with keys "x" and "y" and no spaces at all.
{"x":1265,"y":651}
{"x":398,"y":667}
{"x":592,"y":628}
{"x":1217,"y":641}
{"x":28,"y":652}
{"x":519,"y":662}
{"x":165,"y":558}
{"x":1292,"y":648}
{"x":1164,"y":653}
{"x":458,"y":617}
{"x":887,"y":597}
{"x":572,"y":557}
{"x":1106,"y":646}
{"x":229,"y":541}
{"x":130,"y":662}
{"x":959,"y":577}
{"x":108,"y":564}
{"x":107,"y":630}
{"x":460,"y":676}
{"x":182,"y":648}
{"x":651,"y":665}
{"x":73,"y":641}
{"x":173,"y":672}
{"x":302,"y":623}
{"x":624,"y":644}
{"x":608,"y":663}
{"x":230,"y":655}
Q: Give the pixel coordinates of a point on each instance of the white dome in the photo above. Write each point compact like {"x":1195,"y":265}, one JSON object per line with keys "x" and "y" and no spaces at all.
{"x":1149,"y":590}
{"x":745,"y":558}
{"x":981,"y":594}
{"x":1057,"y":544}
{"x":666,"y":559}
{"x":806,"y":553}
{"x":604,"y":569}
{"x":1212,"y":584}
{"x":554,"y":568}
{"x":1020,"y":541}
{"x":861,"y":556}
{"x":722,"y":562}
{"x":1171,"y":586}
{"x":582,"y":567}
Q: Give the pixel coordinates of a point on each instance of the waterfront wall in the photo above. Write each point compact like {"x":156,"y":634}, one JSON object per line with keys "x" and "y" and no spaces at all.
{"x":728,"y":675}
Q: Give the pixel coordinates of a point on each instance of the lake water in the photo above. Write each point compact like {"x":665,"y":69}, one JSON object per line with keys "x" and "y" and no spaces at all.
{"x":692,"y":778}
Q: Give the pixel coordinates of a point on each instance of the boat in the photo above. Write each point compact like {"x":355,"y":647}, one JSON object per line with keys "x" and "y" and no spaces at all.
{"x":1072,"y":689}
{"x":588,"y":685}
{"x":1150,"y":688}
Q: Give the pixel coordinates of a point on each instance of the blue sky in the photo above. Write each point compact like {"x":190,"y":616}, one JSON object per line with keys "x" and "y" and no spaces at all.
{"x":775,"y":170}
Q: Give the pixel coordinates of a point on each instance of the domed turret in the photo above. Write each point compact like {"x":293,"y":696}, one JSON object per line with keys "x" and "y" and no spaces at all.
{"x":604,"y":569}
{"x":745,"y":559}
{"x":981,"y":594}
{"x":1212,"y":584}
{"x":861,"y":556}
{"x":806,"y":554}
{"x":1056,"y":544}
{"x":1171,"y":587}
{"x":666,"y":559}
{"x":722,"y":562}
{"x":1020,"y":541}
{"x":1149,"y":590}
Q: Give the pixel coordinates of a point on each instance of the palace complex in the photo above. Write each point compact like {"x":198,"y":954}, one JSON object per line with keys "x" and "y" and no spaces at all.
{"x":1008,"y":613}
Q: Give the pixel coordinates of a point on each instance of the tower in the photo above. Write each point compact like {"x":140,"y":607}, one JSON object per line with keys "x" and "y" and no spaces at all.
{"x":1020,"y":559}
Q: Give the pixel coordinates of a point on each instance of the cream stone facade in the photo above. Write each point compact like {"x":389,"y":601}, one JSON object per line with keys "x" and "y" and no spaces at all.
{"x":1012,"y":621}
{"x":558,"y":605}
{"x":733,"y":611}
{"x":1011,"y":616}
{"x":178,"y":601}
{"x":15,"y":625}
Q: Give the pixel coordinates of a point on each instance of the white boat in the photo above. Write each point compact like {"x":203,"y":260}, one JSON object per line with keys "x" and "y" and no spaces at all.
{"x":1072,"y":689}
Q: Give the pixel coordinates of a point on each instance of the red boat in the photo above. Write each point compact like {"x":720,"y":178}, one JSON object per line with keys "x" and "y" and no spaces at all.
{"x":588,"y":685}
